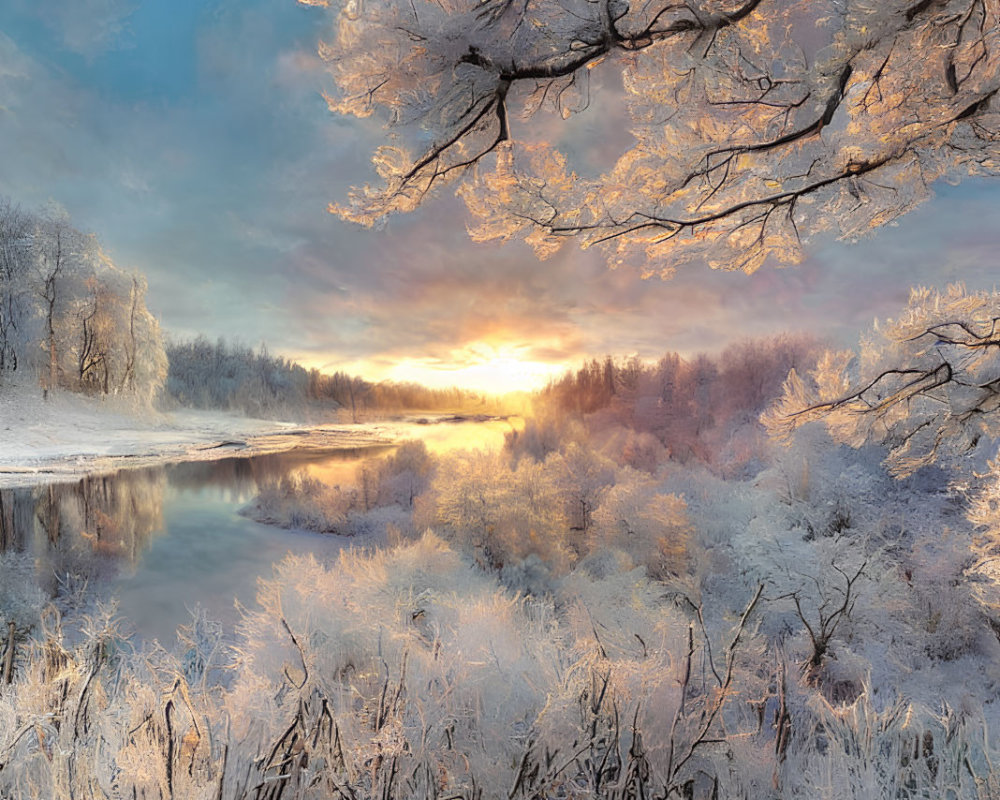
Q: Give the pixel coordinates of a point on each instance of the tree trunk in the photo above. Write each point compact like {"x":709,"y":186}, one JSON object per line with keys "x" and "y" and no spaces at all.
{"x":8,"y":657}
{"x":52,"y":358}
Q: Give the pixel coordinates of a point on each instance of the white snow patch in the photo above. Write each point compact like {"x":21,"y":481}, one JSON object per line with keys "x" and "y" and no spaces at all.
{"x":67,"y":435}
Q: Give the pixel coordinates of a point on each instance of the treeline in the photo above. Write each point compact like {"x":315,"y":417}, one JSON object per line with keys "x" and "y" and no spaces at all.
{"x":234,"y":377}
{"x":70,"y":319}
{"x":706,"y":408}
{"x":359,"y":396}
{"x":68,"y":316}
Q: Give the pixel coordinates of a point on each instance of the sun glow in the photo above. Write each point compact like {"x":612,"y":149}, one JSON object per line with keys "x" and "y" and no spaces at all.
{"x":496,"y":369}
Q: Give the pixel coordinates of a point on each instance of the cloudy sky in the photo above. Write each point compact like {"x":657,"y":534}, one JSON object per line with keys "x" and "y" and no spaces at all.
{"x":191,"y":136}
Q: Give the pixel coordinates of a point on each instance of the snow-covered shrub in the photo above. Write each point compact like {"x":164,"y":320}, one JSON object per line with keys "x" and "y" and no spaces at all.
{"x":582,"y":476}
{"x":946,"y":619}
{"x":498,"y":512}
{"x":399,"y":478}
{"x":383,"y":494}
{"x":97,"y":719}
{"x":637,"y":517}
{"x":300,"y":501}
{"x":888,"y":747}
{"x":472,"y":665}
{"x":379,"y":522}
{"x":434,"y":679}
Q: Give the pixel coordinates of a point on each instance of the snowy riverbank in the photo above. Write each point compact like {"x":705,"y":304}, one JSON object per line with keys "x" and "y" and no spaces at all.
{"x":69,"y":435}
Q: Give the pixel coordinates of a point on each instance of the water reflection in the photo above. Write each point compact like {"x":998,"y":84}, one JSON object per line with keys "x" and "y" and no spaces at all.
{"x":80,"y":526}
{"x":163,"y":539}
{"x":458,"y":433}
{"x":238,"y":479}
{"x":17,"y":510}
{"x":87,"y":527}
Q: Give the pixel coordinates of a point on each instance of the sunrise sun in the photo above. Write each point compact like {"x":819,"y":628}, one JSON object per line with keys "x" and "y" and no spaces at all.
{"x":480,"y":366}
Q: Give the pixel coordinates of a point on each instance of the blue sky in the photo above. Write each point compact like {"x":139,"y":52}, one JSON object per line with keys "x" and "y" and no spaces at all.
{"x":192,"y":138}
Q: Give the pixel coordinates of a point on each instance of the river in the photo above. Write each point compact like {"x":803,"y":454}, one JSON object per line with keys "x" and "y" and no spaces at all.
{"x":163,"y":539}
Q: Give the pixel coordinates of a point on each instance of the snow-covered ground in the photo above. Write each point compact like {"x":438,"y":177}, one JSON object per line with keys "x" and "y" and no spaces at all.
{"x":69,"y":435}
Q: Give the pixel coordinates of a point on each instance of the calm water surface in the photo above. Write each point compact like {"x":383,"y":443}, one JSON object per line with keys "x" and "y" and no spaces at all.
{"x":165,"y":539}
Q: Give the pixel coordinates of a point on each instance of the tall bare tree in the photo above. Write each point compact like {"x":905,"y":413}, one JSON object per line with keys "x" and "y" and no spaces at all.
{"x":97,"y":334}
{"x":15,"y":229}
{"x":58,"y":249}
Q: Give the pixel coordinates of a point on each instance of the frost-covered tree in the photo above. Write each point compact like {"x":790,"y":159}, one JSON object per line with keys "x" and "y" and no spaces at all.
{"x":113,"y":343}
{"x":704,"y":409}
{"x":61,"y":254}
{"x":404,"y":475}
{"x":16,"y":301}
{"x":582,"y":476}
{"x":231,"y":375}
{"x":69,"y":314}
{"x":143,"y":369}
{"x":926,"y":384}
{"x":753,"y":124}
{"x":637,"y":517}
{"x":500,"y":513}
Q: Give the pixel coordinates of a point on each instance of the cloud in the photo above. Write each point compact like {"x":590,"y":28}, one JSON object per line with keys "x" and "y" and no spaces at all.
{"x":14,"y":64}
{"x":85,"y":27}
{"x":39,"y":123}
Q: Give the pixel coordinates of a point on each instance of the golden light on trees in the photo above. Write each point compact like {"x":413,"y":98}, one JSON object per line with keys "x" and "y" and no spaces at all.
{"x":751,"y":125}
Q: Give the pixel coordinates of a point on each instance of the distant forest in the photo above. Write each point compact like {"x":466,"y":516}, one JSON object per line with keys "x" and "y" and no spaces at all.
{"x":705,"y":409}
{"x":236,"y":377}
